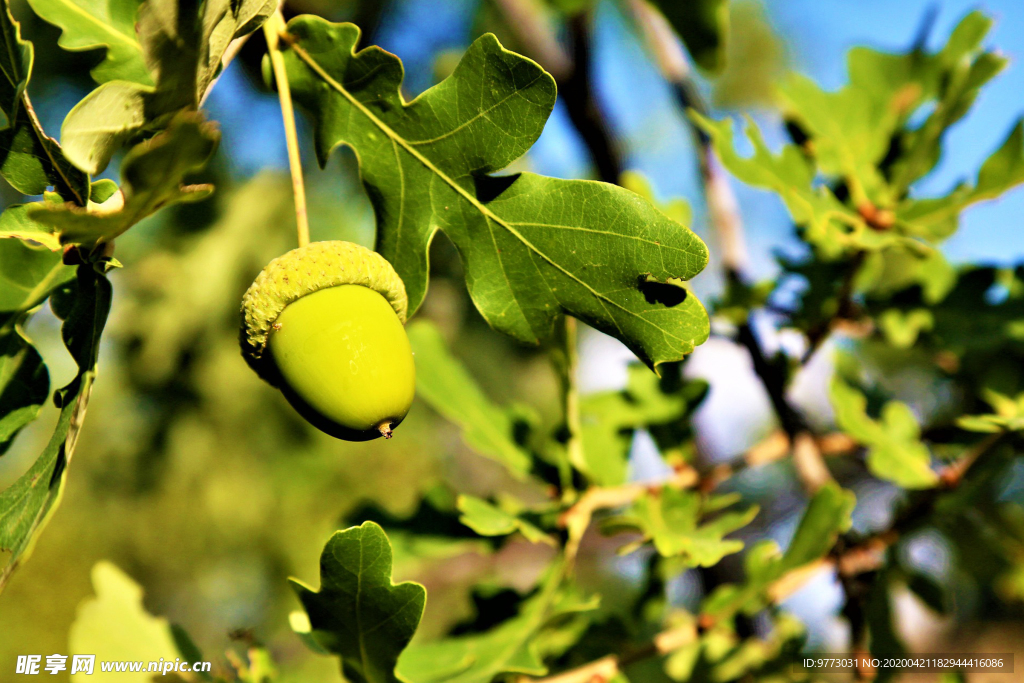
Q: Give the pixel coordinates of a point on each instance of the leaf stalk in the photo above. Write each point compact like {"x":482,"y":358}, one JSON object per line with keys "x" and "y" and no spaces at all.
{"x":273,"y":28}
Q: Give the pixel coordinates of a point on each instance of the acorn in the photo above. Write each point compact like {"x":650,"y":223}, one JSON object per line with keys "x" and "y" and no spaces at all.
{"x":324,"y":324}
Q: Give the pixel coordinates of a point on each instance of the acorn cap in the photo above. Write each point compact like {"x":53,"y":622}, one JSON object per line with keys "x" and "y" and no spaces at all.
{"x":305,"y":270}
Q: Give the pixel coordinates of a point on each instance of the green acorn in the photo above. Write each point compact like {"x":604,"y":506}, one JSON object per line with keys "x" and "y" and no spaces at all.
{"x":324,"y":324}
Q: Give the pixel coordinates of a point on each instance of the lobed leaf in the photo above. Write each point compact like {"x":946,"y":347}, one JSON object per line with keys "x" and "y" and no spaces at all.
{"x":677,"y":523}
{"x":178,"y":55}
{"x":895,"y":451}
{"x":115,"y":625}
{"x":534,"y":248}
{"x":609,"y":420}
{"x":513,"y":646}
{"x":358,"y":613}
{"x":826,"y":516}
{"x":98,"y":24}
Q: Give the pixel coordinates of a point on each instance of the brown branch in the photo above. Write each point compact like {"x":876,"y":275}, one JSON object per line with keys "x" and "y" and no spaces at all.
{"x":534,"y":31}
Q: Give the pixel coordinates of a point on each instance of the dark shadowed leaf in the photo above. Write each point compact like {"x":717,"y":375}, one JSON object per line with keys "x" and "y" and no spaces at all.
{"x":27,"y":276}
{"x":443,"y":382}
{"x":26,"y":506}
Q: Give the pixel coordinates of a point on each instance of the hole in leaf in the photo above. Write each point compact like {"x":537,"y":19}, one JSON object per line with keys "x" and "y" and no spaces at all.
{"x":489,"y":188}
{"x":671,"y":293}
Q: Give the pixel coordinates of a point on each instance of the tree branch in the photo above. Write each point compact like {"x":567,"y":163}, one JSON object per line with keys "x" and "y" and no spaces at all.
{"x":572,"y":74}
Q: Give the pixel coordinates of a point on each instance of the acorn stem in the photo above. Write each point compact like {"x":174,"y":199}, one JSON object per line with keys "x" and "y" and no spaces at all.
{"x":273,"y":28}
{"x":385,"y":429}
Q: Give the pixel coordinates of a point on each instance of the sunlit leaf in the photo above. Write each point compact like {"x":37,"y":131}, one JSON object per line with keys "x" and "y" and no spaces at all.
{"x":91,"y":25}
{"x":29,"y":160}
{"x":115,"y":626}
{"x":490,"y":520}
{"x":533,"y":247}
{"x":510,"y":647}
{"x":895,"y":451}
{"x":608,"y":421}
{"x":180,"y":53}
{"x":826,"y":516}
{"x":678,"y":524}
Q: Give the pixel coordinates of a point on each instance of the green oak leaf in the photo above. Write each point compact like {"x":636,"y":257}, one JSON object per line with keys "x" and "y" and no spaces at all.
{"x":1008,"y":415}
{"x":29,"y":160}
{"x":153,"y":174}
{"x":99,"y":24}
{"x":609,"y":419}
{"x":510,"y":647}
{"x":490,"y":520}
{"x":938,"y":217}
{"x":533,"y":247}
{"x":358,"y":613}
{"x":958,"y":70}
{"x":827,"y":515}
{"x":895,"y":451}
{"x":114,"y":625}
{"x":445,"y":384}
{"x":827,"y":223}
{"x":27,"y":276}
{"x":27,"y":505}
{"x":103,"y":121}
{"x":677,"y":522}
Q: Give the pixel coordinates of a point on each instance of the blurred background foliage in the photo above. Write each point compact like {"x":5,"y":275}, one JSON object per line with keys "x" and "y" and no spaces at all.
{"x":201,"y":483}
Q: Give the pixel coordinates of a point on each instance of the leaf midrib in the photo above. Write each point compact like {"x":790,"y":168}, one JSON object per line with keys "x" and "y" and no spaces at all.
{"x":487,"y":213}
{"x":109,"y":29}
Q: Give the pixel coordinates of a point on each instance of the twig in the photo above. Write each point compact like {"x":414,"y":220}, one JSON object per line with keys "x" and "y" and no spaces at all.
{"x":576,"y":520}
{"x":533,"y":29}
{"x":273,"y":28}
{"x":570,"y":392}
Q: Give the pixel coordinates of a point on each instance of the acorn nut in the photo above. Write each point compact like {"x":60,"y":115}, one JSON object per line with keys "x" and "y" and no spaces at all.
{"x":324,"y":324}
